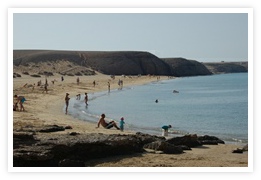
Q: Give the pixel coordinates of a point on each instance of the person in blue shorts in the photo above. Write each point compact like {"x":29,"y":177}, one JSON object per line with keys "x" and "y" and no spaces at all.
{"x":105,"y":124}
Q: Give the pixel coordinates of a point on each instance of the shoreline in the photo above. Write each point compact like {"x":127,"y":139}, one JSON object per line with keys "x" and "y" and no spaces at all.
{"x":46,"y":109}
{"x":91,"y":115}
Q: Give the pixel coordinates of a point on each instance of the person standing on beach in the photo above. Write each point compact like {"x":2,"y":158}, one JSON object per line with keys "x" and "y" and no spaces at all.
{"x":45,"y":88}
{"x":109,"y":86}
{"x":86,"y":99}
{"x":122,"y":124}
{"x":105,"y":124}
{"x":78,"y":80}
{"x":67,"y":102}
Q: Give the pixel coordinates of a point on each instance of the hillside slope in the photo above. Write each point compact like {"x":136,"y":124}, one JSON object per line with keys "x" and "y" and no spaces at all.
{"x":227,"y":67}
{"x":114,"y":63}
{"x":183,"y":67}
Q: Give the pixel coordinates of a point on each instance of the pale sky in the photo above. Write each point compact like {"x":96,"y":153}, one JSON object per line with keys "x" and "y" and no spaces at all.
{"x":199,"y":36}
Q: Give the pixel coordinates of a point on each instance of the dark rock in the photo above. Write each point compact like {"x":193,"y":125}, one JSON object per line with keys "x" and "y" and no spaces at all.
{"x":184,"y":147}
{"x":190,"y":140}
{"x":68,"y":127}
{"x":73,"y":133}
{"x":240,"y":151}
{"x":165,"y":147}
{"x":52,"y":128}
{"x":52,"y":149}
{"x":147,"y":138}
{"x":16,"y":75}
{"x":210,"y":140}
{"x":35,"y":75}
{"x":23,"y":139}
{"x":71,"y":163}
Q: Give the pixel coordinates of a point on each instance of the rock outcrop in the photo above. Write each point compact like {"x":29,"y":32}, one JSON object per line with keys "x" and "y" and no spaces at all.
{"x":48,"y":149}
{"x":41,"y":150}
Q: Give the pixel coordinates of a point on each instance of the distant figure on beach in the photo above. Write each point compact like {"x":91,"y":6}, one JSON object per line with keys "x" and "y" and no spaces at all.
{"x":122,"y":124}
{"x":78,"y":80}
{"x":165,"y":130}
{"x":45,"y":88}
{"x":78,"y":97}
{"x":67,"y":102}
{"x":120,"y":83}
{"x":46,"y":81}
{"x":156,"y":101}
{"x":109,"y":86}
{"x":94,"y":83}
{"x":105,"y":124}
{"x":39,"y":83}
{"x":86,"y":99}
{"x":20,"y":100}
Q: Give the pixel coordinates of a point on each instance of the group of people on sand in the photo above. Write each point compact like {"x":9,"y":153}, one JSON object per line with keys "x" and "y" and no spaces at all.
{"x":102,"y":122}
{"x":78,"y":97}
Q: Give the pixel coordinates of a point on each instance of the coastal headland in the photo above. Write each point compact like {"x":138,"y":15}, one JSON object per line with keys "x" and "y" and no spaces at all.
{"x":45,"y":136}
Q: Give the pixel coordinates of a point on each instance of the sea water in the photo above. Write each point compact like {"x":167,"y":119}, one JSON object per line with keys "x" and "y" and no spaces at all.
{"x":215,"y":105}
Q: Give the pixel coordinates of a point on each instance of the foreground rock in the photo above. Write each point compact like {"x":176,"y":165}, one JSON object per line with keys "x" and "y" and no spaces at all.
{"x":67,"y":150}
{"x":47,"y":149}
{"x":165,"y":147}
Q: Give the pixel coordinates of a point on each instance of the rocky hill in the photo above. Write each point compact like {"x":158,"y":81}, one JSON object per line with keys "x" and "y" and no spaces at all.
{"x":112,"y":63}
{"x":183,"y":67}
{"x":46,"y":62}
{"x":227,"y":67}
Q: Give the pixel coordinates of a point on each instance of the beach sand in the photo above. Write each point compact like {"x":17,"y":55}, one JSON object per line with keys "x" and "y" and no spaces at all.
{"x":48,"y":109}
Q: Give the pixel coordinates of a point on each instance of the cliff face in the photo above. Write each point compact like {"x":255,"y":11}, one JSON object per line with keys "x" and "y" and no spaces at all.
{"x":183,"y":67}
{"x":227,"y":67}
{"x":128,"y":63}
{"x":115,"y":63}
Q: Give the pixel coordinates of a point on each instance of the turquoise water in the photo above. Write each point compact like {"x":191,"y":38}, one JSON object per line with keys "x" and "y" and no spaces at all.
{"x":214,"y":105}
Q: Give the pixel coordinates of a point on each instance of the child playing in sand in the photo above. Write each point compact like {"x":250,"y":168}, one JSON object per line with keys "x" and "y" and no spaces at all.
{"x":165,"y":130}
{"x":122,"y":124}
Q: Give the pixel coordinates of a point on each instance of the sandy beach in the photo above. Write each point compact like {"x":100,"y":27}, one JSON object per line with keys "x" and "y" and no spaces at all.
{"x":43,"y":108}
